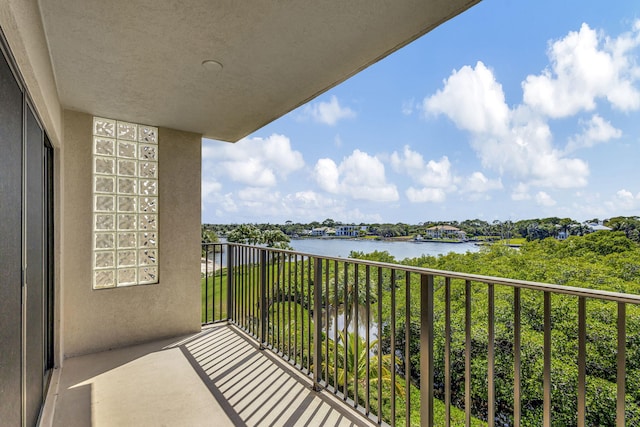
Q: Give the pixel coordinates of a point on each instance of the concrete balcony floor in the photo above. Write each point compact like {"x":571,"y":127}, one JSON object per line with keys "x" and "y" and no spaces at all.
{"x":215,"y":378}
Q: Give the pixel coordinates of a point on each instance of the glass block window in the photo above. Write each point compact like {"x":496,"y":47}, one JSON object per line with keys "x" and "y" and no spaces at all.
{"x":125,"y":204}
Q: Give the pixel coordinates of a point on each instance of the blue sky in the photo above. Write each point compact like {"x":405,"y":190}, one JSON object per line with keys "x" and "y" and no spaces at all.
{"x":512,"y":110}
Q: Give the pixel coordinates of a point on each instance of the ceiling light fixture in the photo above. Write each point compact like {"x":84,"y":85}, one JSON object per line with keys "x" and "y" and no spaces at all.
{"x":211,"y":65}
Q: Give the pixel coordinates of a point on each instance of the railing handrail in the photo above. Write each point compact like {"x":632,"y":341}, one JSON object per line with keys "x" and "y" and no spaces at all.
{"x":514,"y":283}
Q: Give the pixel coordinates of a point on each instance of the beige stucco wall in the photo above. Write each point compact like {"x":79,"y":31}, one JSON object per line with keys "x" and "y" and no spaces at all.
{"x":94,"y":320}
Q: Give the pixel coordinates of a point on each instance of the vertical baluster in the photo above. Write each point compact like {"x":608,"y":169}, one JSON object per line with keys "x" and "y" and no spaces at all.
{"x":582,"y":365}
{"x":317,"y":321}
{"x":278,"y":300}
{"x":295,"y":312}
{"x":289,"y":306}
{"x":407,"y":349}
{"x":218,"y":274}
{"x":379,"y":349}
{"x":546,"y":372}
{"x":206,"y":284}
{"x":302,"y":305}
{"x":263,"y":298}
{"x":368,"y":338}
{"x":243,"y":287}
{"x":491,"y":410}
{"x":447,"y":351}
{"x":345,"y":331}
{"x":426,"y":350}
{"x":516,"y":358}
{"x":467,"y":353}
{"x":621,"y":361}
{"x":326,"y":323}
{"x":393,"y":347}
{"x":336,"y":272}
{"x":356,"y":335}
{"x":254,"y":286}
{"x":309,"y":308}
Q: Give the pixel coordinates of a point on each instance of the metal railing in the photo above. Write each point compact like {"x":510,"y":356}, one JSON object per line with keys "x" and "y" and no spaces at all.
{"x":415,"y":346}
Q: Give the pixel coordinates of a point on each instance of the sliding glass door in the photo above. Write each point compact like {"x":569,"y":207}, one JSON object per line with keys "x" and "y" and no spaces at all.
{"x":26,"y":273}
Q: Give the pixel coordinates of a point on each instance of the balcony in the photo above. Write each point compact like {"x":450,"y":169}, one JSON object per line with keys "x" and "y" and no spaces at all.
{"x":297,"y":339}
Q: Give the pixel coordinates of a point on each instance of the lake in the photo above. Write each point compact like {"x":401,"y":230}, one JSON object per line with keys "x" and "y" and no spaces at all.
{"x":342,"y":247}
{"x":400,"y":250}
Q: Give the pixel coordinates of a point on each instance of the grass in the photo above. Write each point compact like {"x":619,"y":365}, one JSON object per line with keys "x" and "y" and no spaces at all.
{"x":214,"y":290}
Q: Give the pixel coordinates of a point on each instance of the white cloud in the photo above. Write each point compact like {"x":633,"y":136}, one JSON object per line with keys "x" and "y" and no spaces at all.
{"x":624,"y":201}
{"x":586,"y":66}
{"x":434,"y":195}
{"x":517,"y":141}
{"x":252,"y":161}
{"x":544,"y":199}
{"x":435,"y":174}
{"x":595,"y":131}
{"x":408,"y":107}
{"x":360,"y":176}
{"x":209,"y":188}
{"x":520,"y":192}
{"x":327,"y":175}
{"x":472,"y":99}
{"x":328,"y":113}
{"x":436,"y":177}
{"x":477,"y":182}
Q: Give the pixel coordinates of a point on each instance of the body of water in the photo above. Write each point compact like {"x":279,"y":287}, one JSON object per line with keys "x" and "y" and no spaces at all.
{"x":400,"y":250}
{"x":342,"y":247}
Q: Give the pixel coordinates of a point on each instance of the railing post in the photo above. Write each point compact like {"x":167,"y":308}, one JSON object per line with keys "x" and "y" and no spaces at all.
{"x":317,"y":323}
{"x":263,"y":298}
{"x":426,"y":350}
{"x":230,"y":273}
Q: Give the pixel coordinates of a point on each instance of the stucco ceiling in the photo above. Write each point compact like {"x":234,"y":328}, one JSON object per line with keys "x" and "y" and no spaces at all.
{"x":140,"y":60}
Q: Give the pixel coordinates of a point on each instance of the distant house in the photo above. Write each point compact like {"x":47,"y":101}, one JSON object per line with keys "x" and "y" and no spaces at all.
{"x":591,"y":227}
{"x":350,"y":230}
{"x":321,"y":231}
{"x":444,"y":232}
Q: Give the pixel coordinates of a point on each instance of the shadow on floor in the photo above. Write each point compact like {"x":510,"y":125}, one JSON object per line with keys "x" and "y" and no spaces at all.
{"x":217,"y":377}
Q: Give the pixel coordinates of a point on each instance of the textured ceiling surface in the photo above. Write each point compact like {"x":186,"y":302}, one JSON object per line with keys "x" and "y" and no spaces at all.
{"x":140,"y":60}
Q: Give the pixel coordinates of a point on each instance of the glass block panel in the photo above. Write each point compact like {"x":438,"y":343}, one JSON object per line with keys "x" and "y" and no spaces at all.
{"x":104,"y":184}
{"x":148,"y":257}
{"x":127,"y":131}
{"x":104,"y":259}
{"x":148,"y":187}
{"x":103,"y":146}
{"x":104,"y":279}
{"x":148,"y":134}
{"x":148,"y":222}
{"x":148,"y":170}
{"x":127,"y":167}
{"x":104,"y":127}
{"x":126,"y":204}
{"x":148,"y":239}
{"x":126,"y":222}
{"x":104,"y":166}
{"x":127,"y":258}
{"x":105,"y":203}
{"x":104,"y":241}
{"x":148,"y":205}
{"x":148,"y":152}
{"x":127,"y":276}
{"x":105,"y":222}
{"x":127,"y":149}
{"x":126,"y":240}
{"x":127,"y":185}
{"x":148,"y":275}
